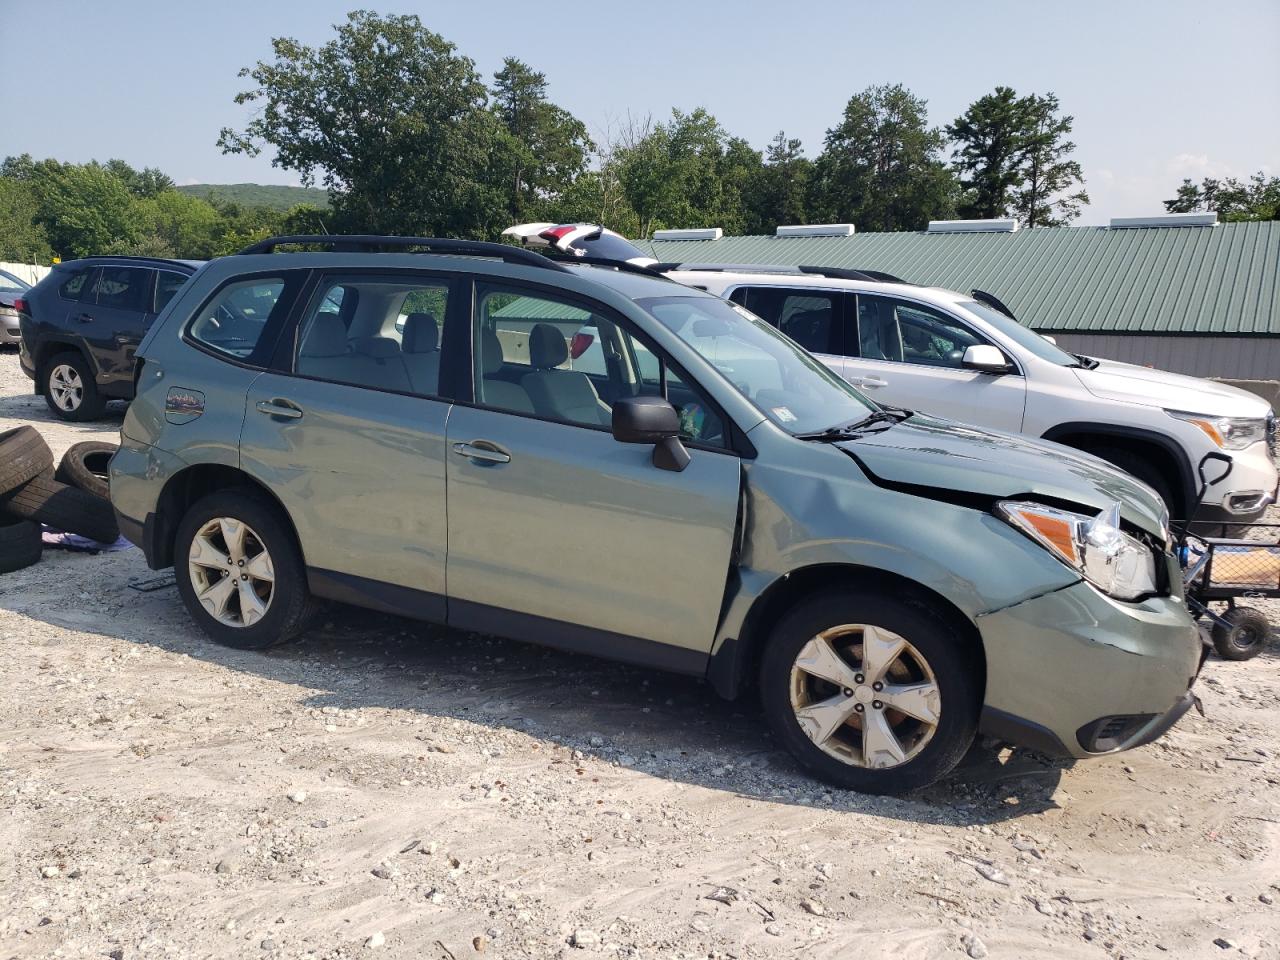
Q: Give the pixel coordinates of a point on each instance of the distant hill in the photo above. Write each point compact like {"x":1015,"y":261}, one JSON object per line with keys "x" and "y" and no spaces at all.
{"x":260,"y":194}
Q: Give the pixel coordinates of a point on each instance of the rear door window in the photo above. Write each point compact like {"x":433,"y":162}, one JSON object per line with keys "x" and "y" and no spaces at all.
{"x":812,"y":318}
{"x":121,"y":288}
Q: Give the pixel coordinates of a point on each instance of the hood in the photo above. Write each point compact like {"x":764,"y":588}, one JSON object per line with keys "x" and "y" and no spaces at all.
{"x":926,"y":452}
{"x":1129,"y":383}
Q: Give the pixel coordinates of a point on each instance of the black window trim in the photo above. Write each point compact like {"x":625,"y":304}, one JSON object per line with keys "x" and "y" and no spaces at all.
{"x":736,"y":443}
{"x":252,"y":362}
{"x":285,"y":353}
{"x":1016,"y":370}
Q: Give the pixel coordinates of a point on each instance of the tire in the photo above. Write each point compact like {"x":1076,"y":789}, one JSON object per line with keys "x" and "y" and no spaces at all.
{"x":1246,"y":637}
{"x":20,"y":544}
{"x":84,"y":465}
{"x":288,"y":605}
{"x":1137,"y":466}
{"x":927,"y":754}
{"x":45,"y":500}
{"x":69,"y":388}
{"x":23,"y":456}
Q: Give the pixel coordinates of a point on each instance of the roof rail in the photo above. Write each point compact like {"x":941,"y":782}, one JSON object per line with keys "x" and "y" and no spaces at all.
{"x":375,"y":243}
{"x":840,"y":273}
{"x":727,"y":267}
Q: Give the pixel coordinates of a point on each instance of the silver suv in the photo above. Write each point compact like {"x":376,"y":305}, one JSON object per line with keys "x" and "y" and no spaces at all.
{"x":409,"y":431}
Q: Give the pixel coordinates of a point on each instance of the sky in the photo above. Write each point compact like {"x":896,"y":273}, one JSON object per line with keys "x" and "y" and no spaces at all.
{"x":1160,"y":89}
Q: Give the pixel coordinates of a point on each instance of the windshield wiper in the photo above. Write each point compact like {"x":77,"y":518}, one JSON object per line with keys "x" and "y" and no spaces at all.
{"x":1085,"y":363}
{"x":887,"y":416}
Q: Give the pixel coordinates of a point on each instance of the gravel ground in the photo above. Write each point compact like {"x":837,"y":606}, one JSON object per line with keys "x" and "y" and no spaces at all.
{"x":386,"y":788}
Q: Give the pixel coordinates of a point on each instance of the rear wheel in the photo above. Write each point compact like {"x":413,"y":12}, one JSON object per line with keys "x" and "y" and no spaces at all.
{"x":869,"y":693}
{"x":1246,"y":635}
{"x":240,"y":573}
{"x":69,"y":388}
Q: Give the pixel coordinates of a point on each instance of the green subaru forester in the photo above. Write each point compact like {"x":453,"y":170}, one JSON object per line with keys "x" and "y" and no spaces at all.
{"x":598,"y":459}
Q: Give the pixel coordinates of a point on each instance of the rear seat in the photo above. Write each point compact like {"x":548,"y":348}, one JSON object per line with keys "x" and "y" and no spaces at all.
{"x":365,"y":361}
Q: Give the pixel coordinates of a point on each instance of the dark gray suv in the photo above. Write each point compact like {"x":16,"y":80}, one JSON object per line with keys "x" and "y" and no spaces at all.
{"x":82,"y":323}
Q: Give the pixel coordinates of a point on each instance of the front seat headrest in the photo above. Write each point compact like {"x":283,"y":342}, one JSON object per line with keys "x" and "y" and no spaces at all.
{"x":547,"y":347}
{"x":490,"y":352}
{"x":326,"y":338}
{"x":421,"y":334}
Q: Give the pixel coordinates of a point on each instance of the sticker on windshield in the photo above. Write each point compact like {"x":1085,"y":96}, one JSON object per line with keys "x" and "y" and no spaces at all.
{"x":784,"y":414}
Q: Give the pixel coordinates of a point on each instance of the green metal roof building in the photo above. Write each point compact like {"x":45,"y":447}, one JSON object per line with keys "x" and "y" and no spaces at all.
{"x":1197,"y":297}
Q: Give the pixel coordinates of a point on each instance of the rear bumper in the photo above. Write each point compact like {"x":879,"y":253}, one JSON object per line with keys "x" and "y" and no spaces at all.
{"x":1074,"y":673}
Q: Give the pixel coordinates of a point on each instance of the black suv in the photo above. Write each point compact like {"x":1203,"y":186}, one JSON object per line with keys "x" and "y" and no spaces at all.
{"x":82,"y":323}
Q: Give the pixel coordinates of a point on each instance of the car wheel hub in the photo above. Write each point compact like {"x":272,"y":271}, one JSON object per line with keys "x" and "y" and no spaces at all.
{"x":865,"y":696}
{"x":66,"y":387}
{"x":231,"y":572}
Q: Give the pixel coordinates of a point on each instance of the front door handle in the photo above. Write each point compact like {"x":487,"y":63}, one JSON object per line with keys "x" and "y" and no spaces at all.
{"x":488,"y":453}
{"x":868,"y":382}
{"x":279,"y":408}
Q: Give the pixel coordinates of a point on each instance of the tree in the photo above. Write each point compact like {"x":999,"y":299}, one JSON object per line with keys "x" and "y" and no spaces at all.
{"x":779,"y":191}
{"x":87,"y":210}
{"x":688,"y":172}
{"x":881,"y":167}
{"x":145,"y":183}
{"x":1046,"y":168}
{"x":992,"y":140}
{"x":1259,"y":199}
{"x":391,"y":119}
{"x":22,"y":239}
{"x":550,"y":146}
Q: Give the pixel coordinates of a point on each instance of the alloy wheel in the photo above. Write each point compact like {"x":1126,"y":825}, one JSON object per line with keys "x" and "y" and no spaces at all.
{"x":66,"y":387}
{"x":231,"y":572}
{"x":865,"y":696}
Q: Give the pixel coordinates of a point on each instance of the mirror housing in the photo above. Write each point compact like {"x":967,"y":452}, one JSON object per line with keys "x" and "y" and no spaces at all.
{"x":984,"y":357}
{"x":651,"y":420}
{"x":1053,"y":340}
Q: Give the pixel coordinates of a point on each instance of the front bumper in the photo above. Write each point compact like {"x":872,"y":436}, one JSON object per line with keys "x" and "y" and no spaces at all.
{"x":1074,"y":673}
{"x":1245,"y":493}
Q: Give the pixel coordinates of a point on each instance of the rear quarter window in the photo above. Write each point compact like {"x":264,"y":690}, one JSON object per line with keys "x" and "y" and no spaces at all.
{"x":70,"y":281}
{"x":232,"y":322}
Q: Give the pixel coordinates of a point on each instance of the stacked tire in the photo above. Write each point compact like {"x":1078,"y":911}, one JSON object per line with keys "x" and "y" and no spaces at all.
{"x":72,"y":498}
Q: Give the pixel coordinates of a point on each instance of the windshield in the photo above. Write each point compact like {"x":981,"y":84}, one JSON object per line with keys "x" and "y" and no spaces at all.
{"x":788,"y":386}
{"x":11,"y":284}
{"x":1024,"y":337}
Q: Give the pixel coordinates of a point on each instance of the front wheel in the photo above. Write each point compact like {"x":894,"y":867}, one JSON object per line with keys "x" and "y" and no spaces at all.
{"x":874,"y":694}
{"x":240,"y":573}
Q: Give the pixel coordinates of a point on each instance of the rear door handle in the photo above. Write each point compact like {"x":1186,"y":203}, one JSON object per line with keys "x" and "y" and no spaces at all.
{"x":279,"y":408}
{"x":85,"y":318}
{"x":868,"y":382}
{"x":485,"y":454}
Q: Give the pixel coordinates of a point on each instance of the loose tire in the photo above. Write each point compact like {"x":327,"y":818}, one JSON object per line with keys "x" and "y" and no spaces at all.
{"x":45,"y":500}
{"x":1245,"y":638}
{"x":84,"y":465}
{"x":240,"y":573}
{"x":877,"y":695}
{"x":20,"y":544}
{"x":69,"y":388}
{"x":23,"y":456}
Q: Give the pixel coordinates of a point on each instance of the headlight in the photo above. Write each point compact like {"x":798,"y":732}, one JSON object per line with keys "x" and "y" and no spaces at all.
{"x":1229,"y":433}
{"x":1095,"y":547}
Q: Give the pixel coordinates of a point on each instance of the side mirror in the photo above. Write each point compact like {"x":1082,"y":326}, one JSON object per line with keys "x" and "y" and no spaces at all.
{"x":1053,"y":340}
{"x":984,"y":357}
{"x":651,"y":420}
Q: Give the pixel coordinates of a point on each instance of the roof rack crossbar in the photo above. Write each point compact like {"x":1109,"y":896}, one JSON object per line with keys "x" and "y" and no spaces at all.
{"x":373,"y":243}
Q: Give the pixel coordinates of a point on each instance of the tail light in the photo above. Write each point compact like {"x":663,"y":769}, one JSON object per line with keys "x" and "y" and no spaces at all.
{"x":578,"y":345}
{"x":20,"y":304}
